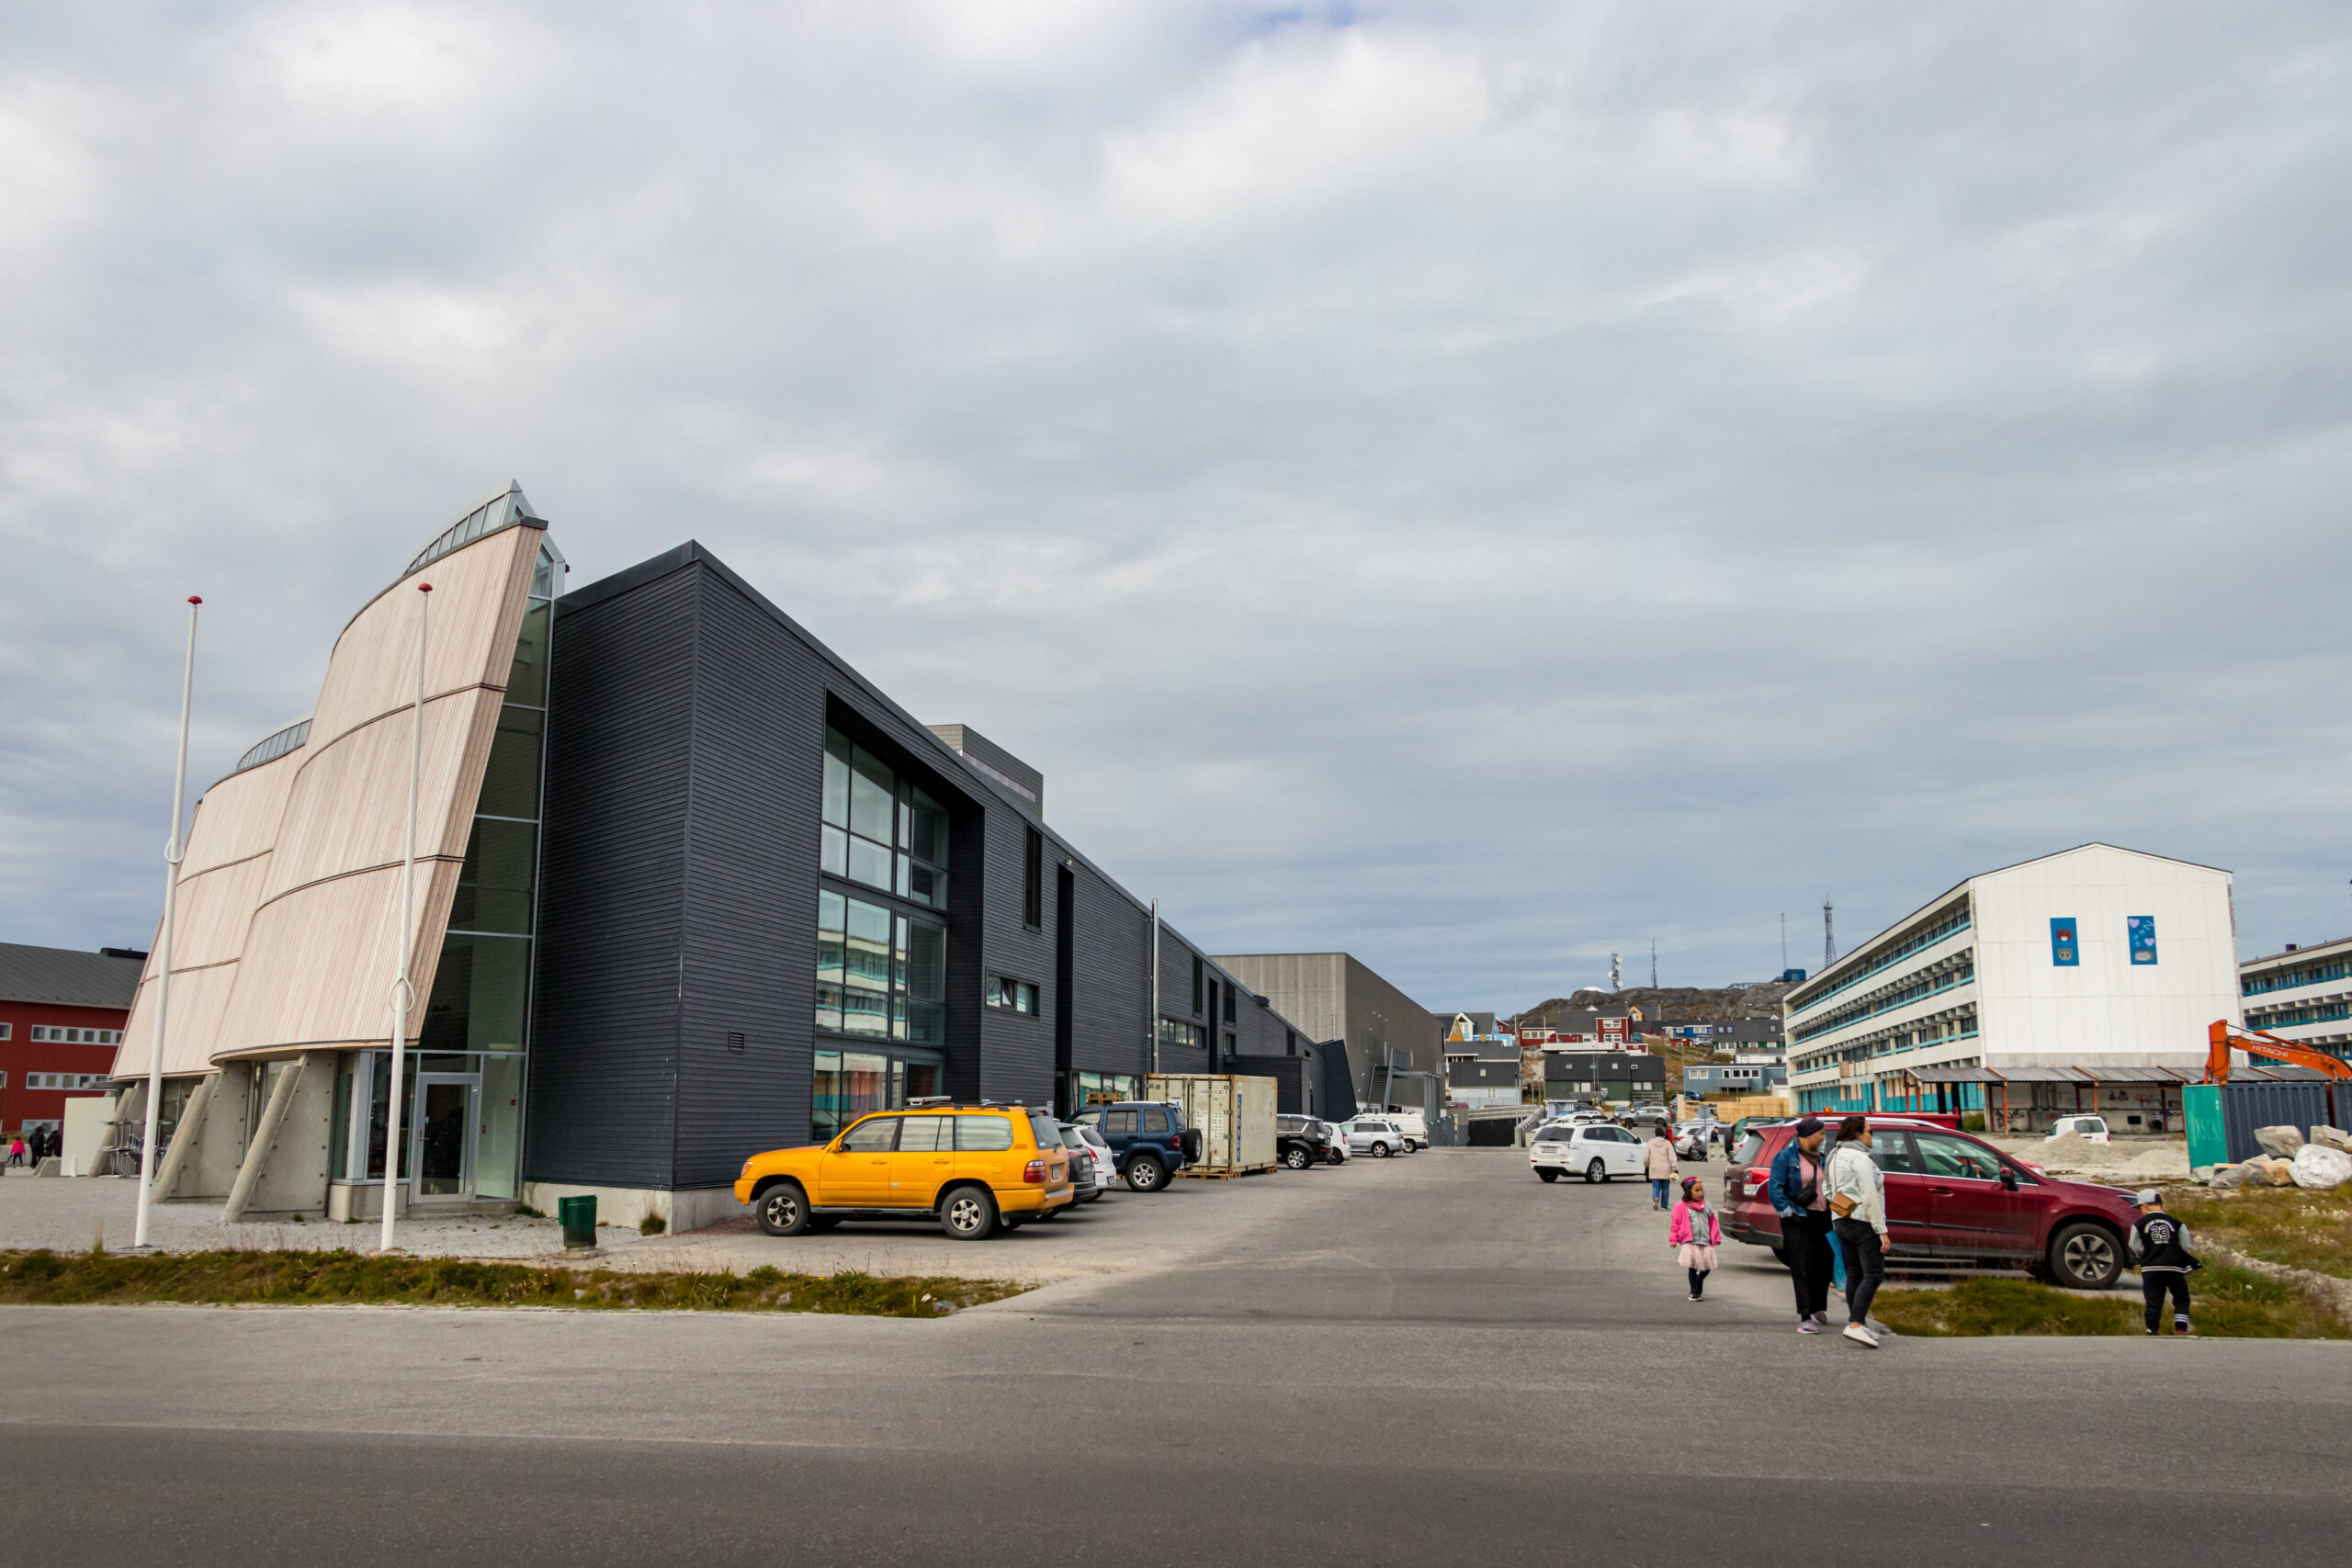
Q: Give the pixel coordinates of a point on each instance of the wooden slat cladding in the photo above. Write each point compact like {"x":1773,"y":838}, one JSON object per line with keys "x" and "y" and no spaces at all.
{"x":603,"y":1081}
{"x":323,"y":947}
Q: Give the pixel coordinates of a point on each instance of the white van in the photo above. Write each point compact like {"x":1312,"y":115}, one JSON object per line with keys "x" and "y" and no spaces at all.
{"x":1411,"y":1123}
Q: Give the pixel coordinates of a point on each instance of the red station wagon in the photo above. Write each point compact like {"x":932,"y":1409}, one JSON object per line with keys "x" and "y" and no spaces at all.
{"x":1953,"y":1198}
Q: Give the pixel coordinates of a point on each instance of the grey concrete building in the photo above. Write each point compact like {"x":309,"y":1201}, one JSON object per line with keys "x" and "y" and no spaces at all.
{"x":1395,"y":1047}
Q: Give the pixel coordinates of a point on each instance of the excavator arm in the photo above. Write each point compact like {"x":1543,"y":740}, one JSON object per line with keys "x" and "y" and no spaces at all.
{"x":2225,"y":1037}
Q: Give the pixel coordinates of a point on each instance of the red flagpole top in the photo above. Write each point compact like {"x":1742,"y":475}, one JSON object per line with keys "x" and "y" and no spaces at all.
{"x":194,"y":599}
{"x":425,"y":588}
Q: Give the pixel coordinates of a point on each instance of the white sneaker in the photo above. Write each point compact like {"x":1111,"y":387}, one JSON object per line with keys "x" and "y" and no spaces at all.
{"x":1860,"y":1336}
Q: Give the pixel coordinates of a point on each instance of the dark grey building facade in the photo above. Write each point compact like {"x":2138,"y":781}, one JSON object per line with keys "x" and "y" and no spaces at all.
{"x":772,"y":899}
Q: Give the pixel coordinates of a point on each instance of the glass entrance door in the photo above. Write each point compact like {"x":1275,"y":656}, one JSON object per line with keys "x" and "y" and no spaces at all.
{"x":441,"y":1147}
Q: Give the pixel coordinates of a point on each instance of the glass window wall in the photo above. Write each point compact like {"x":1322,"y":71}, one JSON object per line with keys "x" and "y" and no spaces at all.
{"x":878,"y":829}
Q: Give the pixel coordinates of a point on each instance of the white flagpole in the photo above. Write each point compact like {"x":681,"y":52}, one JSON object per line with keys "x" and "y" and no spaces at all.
{"x":148,"y":1152}
{"x":402,"y":992}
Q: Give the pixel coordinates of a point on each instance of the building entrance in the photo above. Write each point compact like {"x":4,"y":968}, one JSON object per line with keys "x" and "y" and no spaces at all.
{"x":441,"y":1144}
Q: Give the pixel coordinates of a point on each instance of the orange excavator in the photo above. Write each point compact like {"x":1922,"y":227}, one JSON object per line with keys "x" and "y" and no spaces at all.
{"x":2225,"y":1037}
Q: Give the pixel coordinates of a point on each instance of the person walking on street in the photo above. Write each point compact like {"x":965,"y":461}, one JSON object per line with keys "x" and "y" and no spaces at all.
{"x":1659,"y":1164}
{"x":1801,"y":1197}
{"x":1694,"y":1233}
{"x":1858,"y":1200}
{"x":16,"y":1150}
{"x":2161,"y":1244}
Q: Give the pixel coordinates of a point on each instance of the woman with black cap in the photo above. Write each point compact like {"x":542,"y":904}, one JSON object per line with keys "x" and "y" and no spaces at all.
{"x":1801,"y":1197}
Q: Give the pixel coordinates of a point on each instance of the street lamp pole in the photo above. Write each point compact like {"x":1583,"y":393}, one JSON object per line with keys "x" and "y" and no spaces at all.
{"x":402,"y":992}
{"x":173,"y":851}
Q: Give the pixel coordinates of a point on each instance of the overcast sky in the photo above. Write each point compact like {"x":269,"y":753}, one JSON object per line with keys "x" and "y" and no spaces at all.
{"x":1477,"y":486}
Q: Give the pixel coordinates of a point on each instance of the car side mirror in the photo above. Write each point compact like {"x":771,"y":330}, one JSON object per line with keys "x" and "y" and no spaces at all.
{"x":2008,"y":1178}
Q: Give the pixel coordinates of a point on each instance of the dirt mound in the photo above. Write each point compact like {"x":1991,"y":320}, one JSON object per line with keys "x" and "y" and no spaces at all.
{"x":2154,"y":1161}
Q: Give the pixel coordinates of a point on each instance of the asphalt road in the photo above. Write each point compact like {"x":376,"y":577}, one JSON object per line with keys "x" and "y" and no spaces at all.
{"x":1433,"y":1359}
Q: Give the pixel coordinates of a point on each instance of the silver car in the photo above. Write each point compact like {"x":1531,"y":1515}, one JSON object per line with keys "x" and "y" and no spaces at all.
{"x":1376,"y":1136}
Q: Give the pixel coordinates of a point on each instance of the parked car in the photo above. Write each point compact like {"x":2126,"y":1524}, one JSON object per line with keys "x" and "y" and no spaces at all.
{"x":1411,"y":1124}
{"x":2093,"y":1128}
{"x":1594,"y":1150}
{"x":1335,"y":1144}
{"x":1955,"y":1199}
{"x":1094,"y":1178}
{"x":1298,"y":1140}
{"x":1692,"y":1138}
{"x":1147,"y":1139}
{"x":1374,"y":1135}
{"x":975,"y":1168}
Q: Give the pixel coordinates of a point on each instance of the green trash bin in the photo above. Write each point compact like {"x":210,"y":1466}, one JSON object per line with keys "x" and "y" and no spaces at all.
{"x":578,"y":1217}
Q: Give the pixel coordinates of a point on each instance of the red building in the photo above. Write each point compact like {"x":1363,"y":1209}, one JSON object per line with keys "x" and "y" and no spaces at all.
{"x":60,"y":1022}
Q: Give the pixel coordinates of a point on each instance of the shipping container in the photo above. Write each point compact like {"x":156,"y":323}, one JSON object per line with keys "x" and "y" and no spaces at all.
{"x":1235,"y":1115}
{"x":2221,"y":1117}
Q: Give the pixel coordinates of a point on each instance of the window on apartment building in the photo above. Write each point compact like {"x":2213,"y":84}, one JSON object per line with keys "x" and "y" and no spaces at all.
{"x":4,"y":1030}
{"x":1228,"y":1004}
{"x":878,"y":973}
{"x":1032,"y":884}
{"x":1290,"y":1042}
{"x":59,"y":1034}
{"x":1198,"y":973}
{"x":1191,"y":1036}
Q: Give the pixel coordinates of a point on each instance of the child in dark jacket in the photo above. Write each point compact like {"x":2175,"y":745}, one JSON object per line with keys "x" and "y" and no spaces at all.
{"x":1694,"y":1233}
{"x":2161,"y":1244}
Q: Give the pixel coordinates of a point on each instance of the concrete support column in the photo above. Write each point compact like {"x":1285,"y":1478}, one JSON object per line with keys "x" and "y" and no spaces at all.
{"x":183,"y":1137}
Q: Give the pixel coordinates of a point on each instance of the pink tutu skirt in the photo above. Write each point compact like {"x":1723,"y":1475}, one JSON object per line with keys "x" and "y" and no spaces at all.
{"x":1691,"y":1254}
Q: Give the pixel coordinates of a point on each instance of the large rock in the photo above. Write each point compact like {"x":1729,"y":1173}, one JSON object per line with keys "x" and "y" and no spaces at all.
{"x":2316,"y":1167}
{"x":2278,"y":1172}
{"x":2282,"y":1142}
{"x":2237,"y":1175}
{"x":2329,"y":1137}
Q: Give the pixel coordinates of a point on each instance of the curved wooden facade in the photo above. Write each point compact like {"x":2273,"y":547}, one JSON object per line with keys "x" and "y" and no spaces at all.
{"x":289,"y":893}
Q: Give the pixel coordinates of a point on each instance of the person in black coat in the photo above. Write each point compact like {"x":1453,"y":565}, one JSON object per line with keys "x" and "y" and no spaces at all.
{"x":2161,"y":1244}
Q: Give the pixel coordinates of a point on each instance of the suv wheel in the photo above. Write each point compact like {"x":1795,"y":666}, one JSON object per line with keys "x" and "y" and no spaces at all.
{"x":783,"y":1209}
{"x":1596,"y":1171}
{"x":1549,"y":1175}
{"x":1411,"y":1147}
{"x":1295,"y":1157}
{"x":1145,"y":1174}
{"x":968,"y":1214}
{"x":2085,"y":1257}
{"x":1381,"y":1150}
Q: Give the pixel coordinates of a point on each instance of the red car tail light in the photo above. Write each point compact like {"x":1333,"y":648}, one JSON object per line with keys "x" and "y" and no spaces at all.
{"x":1034,"y":1173}
{"x":1758,"y":1177}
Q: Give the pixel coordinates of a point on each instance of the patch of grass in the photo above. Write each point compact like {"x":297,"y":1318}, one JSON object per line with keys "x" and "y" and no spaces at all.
{"x":310,"y":1278}
{"x":652,"y":1225}
{"x":2227,"y":1303}
{"x":2278,"y":1224}
{"x":525,"y":1212}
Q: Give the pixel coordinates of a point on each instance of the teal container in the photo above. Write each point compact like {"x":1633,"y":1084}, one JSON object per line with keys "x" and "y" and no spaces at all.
{"x":2209,"y":1133}
{"x":578,"y":1217}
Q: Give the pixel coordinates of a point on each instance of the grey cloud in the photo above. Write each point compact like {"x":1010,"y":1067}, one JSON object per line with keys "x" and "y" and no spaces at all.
{"x":1480,"y":486}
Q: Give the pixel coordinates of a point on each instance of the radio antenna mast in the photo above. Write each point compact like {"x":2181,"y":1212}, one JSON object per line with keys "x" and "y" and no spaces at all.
{"x":1828,"y":936}
{"x":1616,"y":973}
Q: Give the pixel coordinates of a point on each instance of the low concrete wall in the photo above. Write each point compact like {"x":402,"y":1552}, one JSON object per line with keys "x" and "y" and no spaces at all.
{"x":686,"y":1209}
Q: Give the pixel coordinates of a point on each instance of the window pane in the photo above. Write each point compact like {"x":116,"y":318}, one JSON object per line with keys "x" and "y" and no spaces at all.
{"x":1119,"y":1123}
{"x":1940,"y":1154}
{"x":865,"y":1012}
{"x":494,"y":886}
{"x":1155,"y":1119}
{"x":926,"y":1134}
{"x":828,"y":1006}
{"x":874,"y":1137}
{"x":836,"y":809}
{"x":825,"y":1095}
{"x":481,"y":994}
{"x":864,"y":1080}
{"x":870,"y":790}
{"x":922,"y":1081}
{"x":926,"y":961}
{"x":869,"y":862}
{"x":510,"y":786}
{"x":926,"y":1024}
{"x":527,"y":678}
{"x":1892,"y":1151}
{"x":983,"y":1134}
{"x":834,"y":854}
{"x":925,"y":886}
{"x":898,"y":958}
{"x":927,"y":836}
{"x":832,"y":912}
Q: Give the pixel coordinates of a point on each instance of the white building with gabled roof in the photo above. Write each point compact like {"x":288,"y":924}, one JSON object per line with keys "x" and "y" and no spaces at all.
{"x":2081,"y":980}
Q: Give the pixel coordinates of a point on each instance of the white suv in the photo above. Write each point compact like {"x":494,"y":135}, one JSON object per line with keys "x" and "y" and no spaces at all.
{"x":1378,"y":1136}
{"x":1595,"y":1153}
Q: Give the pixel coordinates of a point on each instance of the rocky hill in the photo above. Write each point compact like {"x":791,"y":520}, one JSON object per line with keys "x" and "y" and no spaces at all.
{"x":1719,"y":1005}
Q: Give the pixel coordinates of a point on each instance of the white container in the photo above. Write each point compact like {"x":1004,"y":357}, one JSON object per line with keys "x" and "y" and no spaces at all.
{"x":1235,"y":1115}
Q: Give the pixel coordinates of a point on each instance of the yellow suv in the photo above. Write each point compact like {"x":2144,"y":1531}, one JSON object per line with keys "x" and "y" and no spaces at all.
{"x":974,"y":1168}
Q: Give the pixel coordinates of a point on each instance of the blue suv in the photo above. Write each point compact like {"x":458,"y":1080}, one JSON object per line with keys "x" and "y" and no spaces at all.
{"x":1150,"y":1142}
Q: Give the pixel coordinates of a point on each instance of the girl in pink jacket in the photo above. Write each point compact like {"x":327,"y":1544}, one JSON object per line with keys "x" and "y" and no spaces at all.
{"x":1695,"y":1233}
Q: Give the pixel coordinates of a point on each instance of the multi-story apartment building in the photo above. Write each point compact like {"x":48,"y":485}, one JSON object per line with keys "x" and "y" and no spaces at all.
{"x":2082,"y":979}
{"x":61,"y":1020}
{"x":2303,"y":993}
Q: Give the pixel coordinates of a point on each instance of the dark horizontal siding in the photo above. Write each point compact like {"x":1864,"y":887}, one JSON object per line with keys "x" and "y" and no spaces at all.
{"x":604,"y":1050}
